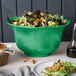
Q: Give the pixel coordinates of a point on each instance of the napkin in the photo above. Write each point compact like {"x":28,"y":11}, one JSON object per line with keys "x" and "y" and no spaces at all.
{"x":22,"y":71}
{"x":1,"y":74}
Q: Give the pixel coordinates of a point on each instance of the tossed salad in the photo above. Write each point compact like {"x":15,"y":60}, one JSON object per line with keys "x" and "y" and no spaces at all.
{"x":38,"y":19}
{"x":59,"y":69}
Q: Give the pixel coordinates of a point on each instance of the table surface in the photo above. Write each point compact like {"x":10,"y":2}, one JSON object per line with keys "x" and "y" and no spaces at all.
{"x":16,"y":59}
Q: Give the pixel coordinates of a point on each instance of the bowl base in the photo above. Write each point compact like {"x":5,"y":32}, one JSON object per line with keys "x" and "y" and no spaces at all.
{"x":38,"y":55}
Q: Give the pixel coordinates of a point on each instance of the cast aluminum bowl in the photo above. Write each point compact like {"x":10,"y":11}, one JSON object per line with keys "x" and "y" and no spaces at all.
{"x":37,"y":41}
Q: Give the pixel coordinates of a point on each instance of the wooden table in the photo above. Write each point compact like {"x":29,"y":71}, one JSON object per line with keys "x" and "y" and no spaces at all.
{"x":16,"y":59}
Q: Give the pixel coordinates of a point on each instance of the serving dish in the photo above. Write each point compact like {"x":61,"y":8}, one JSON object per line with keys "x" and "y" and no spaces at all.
{"x":40,"y":66}
{"x":38,"y":41}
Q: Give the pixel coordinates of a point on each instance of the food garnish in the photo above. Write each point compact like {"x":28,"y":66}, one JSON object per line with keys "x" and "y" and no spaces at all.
{"x":32,"y":60}
{"x":24,"y":60}
{"x":26,"y":65}
{"x":64,"y":21}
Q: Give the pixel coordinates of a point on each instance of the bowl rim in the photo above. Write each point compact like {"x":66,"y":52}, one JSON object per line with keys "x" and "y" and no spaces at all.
{"x":12,"y":18}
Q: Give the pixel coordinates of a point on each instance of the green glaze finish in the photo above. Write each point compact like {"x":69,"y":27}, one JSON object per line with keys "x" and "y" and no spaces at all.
{"x":37,"y":41}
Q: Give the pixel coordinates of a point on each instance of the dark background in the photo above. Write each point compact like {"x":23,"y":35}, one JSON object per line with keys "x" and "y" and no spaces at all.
{"x":13,"y":8}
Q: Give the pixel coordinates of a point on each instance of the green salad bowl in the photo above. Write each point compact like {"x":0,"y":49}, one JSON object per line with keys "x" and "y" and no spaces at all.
{"x":37,"y":41}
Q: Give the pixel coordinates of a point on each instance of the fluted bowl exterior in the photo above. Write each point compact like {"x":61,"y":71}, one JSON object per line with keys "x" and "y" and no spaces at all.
{"x":37,"y":41}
